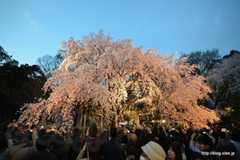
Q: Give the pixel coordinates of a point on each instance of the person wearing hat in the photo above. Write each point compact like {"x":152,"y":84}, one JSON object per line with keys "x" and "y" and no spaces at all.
{"x":153,"y":151}
{"x":202,"y":146}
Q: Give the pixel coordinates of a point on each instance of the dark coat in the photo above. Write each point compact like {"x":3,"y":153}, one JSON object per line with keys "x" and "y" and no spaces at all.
{"x":112,"y":150}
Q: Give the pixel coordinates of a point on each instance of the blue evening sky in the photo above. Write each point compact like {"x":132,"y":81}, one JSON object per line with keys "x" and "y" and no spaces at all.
{"x":32,"y":28}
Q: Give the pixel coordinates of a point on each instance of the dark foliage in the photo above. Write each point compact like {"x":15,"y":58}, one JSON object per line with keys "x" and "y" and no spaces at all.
{"x":204,"y":60}
{"x":19,"y":84}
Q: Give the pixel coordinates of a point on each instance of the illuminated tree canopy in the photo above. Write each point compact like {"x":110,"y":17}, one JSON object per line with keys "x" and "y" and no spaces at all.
{"x":105,"y":79}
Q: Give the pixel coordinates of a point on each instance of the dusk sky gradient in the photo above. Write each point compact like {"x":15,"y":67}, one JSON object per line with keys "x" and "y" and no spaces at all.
{"x":32,"y":28}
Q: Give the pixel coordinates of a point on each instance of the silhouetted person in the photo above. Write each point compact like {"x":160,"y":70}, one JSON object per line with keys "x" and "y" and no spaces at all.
{"x":227,"y":145}
{"x":112,"y":148}
{"x":3,"y":146}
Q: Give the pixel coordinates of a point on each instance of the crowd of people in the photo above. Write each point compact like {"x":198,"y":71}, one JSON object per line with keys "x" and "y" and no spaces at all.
{"x":121,"y":143}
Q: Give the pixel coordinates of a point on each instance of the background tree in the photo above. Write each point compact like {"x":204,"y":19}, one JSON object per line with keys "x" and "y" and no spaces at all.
{"x":5,"y":59}
{"x":18,"y":85}
{"x":50,"y":63}
{"x":104,"y":80}
{"x":225,"y":80}
{"x":204,"y":60}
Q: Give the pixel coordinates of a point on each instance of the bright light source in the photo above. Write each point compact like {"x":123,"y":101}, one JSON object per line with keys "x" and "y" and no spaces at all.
{"x":163,"y":121}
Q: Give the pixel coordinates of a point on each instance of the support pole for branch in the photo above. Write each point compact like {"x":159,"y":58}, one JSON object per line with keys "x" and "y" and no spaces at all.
{"x":101,"y":124}
{"x":81,"y":121}
{"x":84,"y":123}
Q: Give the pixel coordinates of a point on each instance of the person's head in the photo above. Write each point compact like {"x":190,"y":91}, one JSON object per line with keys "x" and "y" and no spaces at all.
{"x":152,"y":151}
{"x":42,"y":132}
{"x":148,"y":130}
{"x":155,"y":131}
{"x":113,"y":132}
{"x":204,"y":142}
{"x":93,"y":130}
{"x":76,"y":133}
{"x":42,"y":143}
{"x":174,"y":135}
{"x":22,"y":135}
{"x":104,"y":135}
{"x":175,"y":151}
{"x":125,"y":131}
{"x":132,"y":137}
{"x":224,"y":136}
{"x":57,"y":141}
